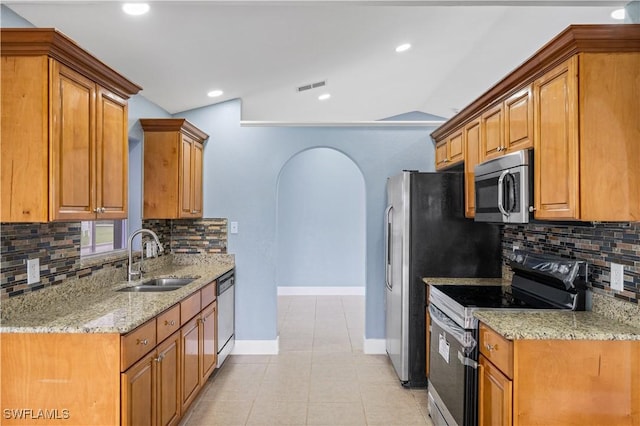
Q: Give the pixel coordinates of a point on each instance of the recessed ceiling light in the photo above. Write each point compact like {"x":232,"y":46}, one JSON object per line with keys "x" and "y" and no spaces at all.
{"x":618,"y":14}
{"x":215,"y":93}
{"x":135,"y":8}
{"x":403,"y":47}
{"x":324,"y":96}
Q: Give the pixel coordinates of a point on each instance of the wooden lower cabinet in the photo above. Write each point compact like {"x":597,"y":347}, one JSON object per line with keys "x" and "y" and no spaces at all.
{"x":199,"y":353}
{"x":138,"y":398}
{"x":495,"y":395}
{"x":107,"y":378}
{"x":189,"y":336}
{"x":168,"y":363}
{"x":558,"y":382}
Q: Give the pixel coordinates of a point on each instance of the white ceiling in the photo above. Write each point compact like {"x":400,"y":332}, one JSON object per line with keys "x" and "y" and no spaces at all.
{"x":260,"y":51}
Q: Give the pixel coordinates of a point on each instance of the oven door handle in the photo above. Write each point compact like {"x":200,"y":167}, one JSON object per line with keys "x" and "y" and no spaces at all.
{"x":387,"y":247}
{"x":501,"y":193}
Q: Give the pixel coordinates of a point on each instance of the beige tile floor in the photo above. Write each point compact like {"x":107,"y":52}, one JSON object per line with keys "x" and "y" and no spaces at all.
{"x":320,"y":377}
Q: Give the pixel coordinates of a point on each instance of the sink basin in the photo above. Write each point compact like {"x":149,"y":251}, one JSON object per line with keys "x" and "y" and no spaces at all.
{"x":149,"y":288}
{"x":171,"y":282}
{"x":159,"y":284}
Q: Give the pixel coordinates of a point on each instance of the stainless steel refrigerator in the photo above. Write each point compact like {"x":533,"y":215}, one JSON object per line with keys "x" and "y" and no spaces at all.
{"x":427,"y":235}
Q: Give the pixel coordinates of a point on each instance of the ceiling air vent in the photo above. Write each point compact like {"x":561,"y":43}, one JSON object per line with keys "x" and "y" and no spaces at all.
{"x":312,"y":86}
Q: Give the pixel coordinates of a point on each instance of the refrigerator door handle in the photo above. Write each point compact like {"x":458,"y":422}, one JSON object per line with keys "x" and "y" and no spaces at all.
{"x":387,"y":246}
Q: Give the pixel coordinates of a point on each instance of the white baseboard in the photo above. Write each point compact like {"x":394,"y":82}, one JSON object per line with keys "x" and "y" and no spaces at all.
{"x":321,"y":291}
{"x":374,"y":346}
{"x":257,"y":347}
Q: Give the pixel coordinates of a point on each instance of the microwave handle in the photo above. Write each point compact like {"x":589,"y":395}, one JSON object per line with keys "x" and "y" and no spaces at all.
{"x":501,"y":193}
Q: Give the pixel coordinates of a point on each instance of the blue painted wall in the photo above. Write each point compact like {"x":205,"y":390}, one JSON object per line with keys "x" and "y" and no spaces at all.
{"x":321,"y":221}
{"x":241,"y":169}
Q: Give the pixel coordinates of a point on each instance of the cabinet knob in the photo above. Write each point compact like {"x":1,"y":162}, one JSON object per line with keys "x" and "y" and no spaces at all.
{"x":159,"y":358}
{"x":96,"y":210}
{"x":102,"y":209}
{"x":143,"y":342}
{"x":170,"y":323}
{"x":489,"y":347}
{"x":193,"y":212}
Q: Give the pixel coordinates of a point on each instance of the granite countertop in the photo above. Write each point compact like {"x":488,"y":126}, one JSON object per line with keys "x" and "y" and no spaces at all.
{"x":465,"y":281}
{"x":93,"y":304}
{"x":609,"y":319}
{"x":556,"y":325}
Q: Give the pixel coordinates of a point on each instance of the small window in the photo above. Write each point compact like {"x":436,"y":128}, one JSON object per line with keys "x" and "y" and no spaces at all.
{"x":102,"y":236}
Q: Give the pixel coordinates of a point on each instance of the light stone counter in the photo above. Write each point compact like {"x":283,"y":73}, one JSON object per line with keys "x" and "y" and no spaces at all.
{"x":556,"y":325}
{"x":465,"y":281}
{"x":92,"y":305}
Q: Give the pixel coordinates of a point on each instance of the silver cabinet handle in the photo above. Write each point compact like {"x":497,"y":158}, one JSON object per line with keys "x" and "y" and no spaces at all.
{"x":143,"y":342}
{"x":170,"y":323}
{"x":159,"y":358}
{"x":489,"y":347}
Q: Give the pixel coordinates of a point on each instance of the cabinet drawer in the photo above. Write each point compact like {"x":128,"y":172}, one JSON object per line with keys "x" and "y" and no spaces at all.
{"x":135,"y":344}
{"x":189,"y":307}
{"x":208,"y":294}
{"x":168,"y":322}
{"x":497,"y":349}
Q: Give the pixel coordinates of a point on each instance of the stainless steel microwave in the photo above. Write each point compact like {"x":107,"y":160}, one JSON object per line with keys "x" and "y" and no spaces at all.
{"x":504,"y":191}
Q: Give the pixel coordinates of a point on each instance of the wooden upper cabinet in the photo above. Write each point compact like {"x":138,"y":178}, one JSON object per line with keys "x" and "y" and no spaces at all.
{"x":472,"y":158}
{"x":173,"y":164}
{"x":575,"y":103}
{"x":450,"y":151}
{"x":556,"y":143}
{"x":64,"y":147}
{"x":518,"y":121}
{"x":491,"y":133}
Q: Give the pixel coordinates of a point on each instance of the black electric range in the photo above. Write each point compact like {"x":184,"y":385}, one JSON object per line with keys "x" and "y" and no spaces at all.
{"x":539,"y":282}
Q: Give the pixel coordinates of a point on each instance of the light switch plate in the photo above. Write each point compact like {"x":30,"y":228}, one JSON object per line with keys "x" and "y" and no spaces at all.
{"x":33,"y":271}
{"x":234,"y":227}
{"x":617,"y":277}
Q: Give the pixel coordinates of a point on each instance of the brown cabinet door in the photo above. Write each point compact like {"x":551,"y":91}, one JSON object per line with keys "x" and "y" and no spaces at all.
{"x":209,"y":347}
{"x":112,"y":153}
{"x":190,"y":371}
{"x":73,"y":179}
{"x":186,"y":177}
{"x":518,"y":117}
{"x":495,"y":395}
{"x":556,"y":143}
{"x":138,"y":402}
{"x":492,"y":133}
{"x":196,"y":178}
{"x":472,"y":158}
{"x":455,"y":148}
{"x":441,"y":154}
{"x":168,"y":381}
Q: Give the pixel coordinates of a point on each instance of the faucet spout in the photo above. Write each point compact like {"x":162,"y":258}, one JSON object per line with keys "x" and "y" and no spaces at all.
{"x":130,"y":271}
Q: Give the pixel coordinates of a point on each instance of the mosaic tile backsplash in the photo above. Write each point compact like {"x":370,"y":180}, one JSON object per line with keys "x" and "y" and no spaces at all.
{"x":57,"y":246}
{"x":598,"y":244}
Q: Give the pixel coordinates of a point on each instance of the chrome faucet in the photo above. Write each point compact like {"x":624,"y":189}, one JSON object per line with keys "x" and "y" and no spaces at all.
{"x":130,"y":271}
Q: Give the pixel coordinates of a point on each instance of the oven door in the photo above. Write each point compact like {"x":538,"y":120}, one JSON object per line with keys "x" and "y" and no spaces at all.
{"x":452,"y":371}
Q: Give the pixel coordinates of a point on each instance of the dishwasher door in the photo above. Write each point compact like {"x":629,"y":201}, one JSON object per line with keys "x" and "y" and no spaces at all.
{"x":226,"y":319}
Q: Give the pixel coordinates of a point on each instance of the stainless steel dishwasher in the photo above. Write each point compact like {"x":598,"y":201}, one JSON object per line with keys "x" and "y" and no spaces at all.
{"x":226,"y":315}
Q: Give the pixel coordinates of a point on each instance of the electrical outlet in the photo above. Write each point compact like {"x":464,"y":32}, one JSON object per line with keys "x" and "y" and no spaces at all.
{"x":234,"y":227}
{"x":515,"y":247}
{"x":617,"y":276}
{"x":33,"y":271}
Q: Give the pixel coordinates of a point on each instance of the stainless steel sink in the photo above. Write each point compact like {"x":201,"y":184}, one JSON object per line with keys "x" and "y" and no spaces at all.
{"x":149,"y":288}
{"x":171,"y":282}
{"x":159,"y":284}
